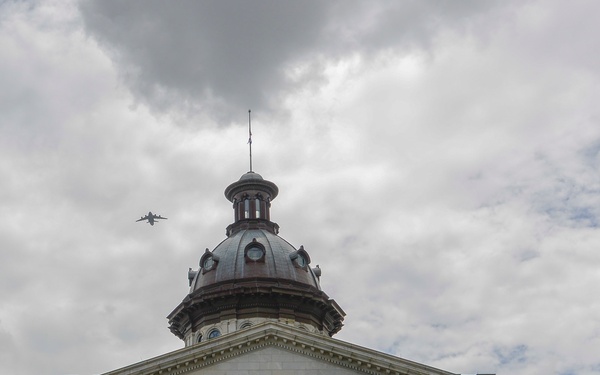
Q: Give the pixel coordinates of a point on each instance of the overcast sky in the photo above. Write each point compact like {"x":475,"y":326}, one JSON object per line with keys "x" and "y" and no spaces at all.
{"x":438,"y":159}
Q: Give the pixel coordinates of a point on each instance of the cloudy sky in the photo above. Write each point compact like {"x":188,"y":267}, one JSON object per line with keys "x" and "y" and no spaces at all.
{"x":438,"y":159}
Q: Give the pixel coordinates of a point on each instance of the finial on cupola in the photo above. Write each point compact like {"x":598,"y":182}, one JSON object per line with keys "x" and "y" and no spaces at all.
{"x":250,"y":137}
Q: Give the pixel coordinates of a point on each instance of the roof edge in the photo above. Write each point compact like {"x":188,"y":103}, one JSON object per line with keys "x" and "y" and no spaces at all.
{"x":280,"y":335}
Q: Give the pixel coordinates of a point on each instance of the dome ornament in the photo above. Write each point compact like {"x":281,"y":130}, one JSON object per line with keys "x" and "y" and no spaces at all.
{"x":191,"y":275}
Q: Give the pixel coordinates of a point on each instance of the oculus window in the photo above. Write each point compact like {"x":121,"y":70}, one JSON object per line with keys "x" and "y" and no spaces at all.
{"x":208,"y":261}
{"x":300,"y":258}
{"x":254,"y":252}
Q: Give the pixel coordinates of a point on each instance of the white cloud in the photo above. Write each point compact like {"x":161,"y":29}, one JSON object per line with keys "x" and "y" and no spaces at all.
{"x":442,"y":171}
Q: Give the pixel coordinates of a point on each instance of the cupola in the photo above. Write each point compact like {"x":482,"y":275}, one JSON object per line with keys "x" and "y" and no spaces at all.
{"x":251,"y":196}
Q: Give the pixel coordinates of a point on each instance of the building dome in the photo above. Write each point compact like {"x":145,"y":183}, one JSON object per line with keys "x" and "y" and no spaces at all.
{"x":252,"y":254}
{"x":253,"y":275}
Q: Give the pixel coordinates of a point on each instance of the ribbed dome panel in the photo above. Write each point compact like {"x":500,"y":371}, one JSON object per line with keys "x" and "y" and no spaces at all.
{"x":232,"y":265}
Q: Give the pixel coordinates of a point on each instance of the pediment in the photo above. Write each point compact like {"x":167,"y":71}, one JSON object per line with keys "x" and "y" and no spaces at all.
{"x":271,"y":348}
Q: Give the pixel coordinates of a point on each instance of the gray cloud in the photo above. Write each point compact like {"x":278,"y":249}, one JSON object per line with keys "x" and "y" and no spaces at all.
{"x":220,"y":57}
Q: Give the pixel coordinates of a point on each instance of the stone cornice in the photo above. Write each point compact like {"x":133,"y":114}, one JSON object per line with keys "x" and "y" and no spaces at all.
{"x":319,"y":347}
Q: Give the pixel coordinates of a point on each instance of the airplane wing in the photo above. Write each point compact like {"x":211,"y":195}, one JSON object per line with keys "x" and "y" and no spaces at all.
{"x":142,"y":219}
{"x":160,"y":217}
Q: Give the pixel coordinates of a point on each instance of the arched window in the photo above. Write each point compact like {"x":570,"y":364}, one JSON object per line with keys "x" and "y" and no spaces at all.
{"x":257,"y":205}
{"x":246,"y":208}
{"x":214,"y":333}
{"x":199,"y":338}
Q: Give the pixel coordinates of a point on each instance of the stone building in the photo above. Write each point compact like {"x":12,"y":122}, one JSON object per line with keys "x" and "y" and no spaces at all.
{"x":255,"y":306}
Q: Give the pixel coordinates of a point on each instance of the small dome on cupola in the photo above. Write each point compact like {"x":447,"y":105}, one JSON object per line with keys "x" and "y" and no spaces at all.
{"x":253,"y":276}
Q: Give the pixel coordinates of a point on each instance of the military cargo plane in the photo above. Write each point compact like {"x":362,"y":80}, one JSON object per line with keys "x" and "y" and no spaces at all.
{"x":151,"y":218}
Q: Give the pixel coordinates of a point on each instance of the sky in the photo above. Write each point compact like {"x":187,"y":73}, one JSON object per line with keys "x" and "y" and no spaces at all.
{"x":439,"y":160}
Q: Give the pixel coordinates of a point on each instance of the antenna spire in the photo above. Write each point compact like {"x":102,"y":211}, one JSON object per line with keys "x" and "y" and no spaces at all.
{"x":250,"y":138}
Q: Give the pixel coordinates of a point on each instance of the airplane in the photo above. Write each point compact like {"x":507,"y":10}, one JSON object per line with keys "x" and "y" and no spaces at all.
{"x":151,"y":217}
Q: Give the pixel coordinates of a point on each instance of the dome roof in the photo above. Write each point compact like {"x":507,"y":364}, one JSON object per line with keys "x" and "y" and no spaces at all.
{"x":279,"y":260}
{"x":251,"y":176}
{"x":251,"y":181}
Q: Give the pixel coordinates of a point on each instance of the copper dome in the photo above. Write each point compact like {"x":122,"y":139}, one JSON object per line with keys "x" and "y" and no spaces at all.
{"x":254,"y":273}
{"x":278,"y":261}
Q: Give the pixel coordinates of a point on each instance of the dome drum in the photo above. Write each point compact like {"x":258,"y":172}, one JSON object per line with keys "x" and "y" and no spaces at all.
{"x":257,"y":298}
